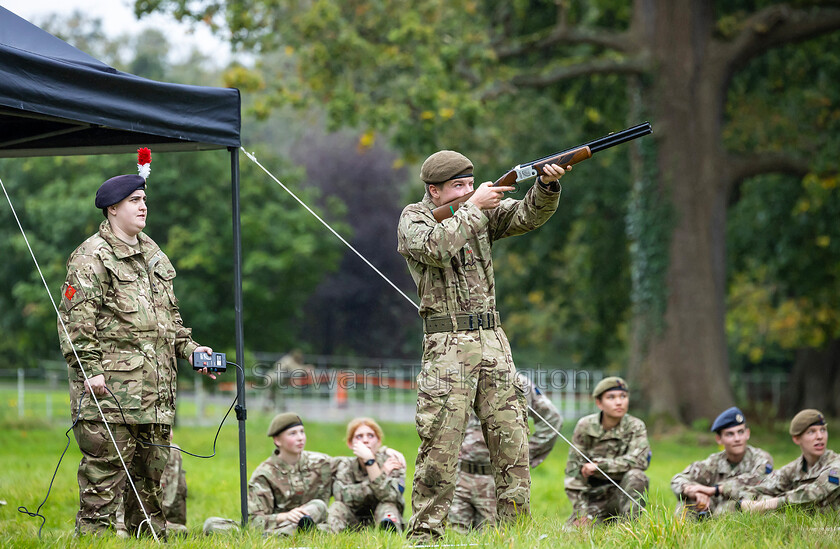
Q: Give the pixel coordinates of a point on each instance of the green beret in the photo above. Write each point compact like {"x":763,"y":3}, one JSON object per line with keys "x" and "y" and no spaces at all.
{"x":283,"y":421}
{"x":443,"y":166}
{"x":609,"y":384}
{"x":804,"y":419}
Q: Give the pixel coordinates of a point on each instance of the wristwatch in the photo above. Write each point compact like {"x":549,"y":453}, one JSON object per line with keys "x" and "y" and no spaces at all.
{"x":370,"y":462}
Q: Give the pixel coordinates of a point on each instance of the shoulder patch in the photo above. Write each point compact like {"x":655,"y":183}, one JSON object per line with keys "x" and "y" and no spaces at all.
{"x":401,"y":487}
{"x":537,"y":390}
{"x":650,"y":455}
{"x":768,"y":468}
{"x":833,"y":477}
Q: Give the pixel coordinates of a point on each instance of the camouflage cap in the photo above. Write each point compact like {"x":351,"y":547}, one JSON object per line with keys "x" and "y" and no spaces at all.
{"x":283,"y":421}
{"x":611,"y":383}
{"x":728,"y":418}
{"x":443,"y":166}
{"x":804,"y":419}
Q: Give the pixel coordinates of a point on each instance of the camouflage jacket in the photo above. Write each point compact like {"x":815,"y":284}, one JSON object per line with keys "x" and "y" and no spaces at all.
{"x":120,"y":311}
{"x":474,"y":448}
{"x":616,"y":451}
{"x":352,"y":486}
{"x":796,"y":484}
{"x":451,"y":261}
{"x":717,"y":470}
{"x":173,"y":483}
{"x":277,"y":487}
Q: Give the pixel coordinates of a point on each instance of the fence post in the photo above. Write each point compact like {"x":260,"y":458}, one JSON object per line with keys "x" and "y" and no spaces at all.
{"x":21,"y":393}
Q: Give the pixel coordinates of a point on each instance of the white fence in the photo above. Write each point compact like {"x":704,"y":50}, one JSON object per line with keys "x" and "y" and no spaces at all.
{"x":326,"y":388}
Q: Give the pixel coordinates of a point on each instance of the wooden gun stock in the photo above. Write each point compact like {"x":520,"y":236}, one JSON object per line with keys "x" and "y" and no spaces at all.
{"x":565,"y":158}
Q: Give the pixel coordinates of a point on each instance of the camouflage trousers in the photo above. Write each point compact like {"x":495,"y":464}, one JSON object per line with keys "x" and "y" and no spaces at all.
{"x":316,"y":509}
{"x":103,"y":480}
{"x":340,"y":516}
{"x":474,"y":505}
{"x":464,"y":370}
{"x":687,"y":508}
{"x":607,"y":501}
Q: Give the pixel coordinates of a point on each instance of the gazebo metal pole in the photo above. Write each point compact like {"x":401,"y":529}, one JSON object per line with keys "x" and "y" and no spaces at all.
{"x":241,"y":411}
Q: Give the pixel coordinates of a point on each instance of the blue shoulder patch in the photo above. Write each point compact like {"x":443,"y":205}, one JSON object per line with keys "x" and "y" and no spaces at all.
{"x":401,"y":487}
{"x":537,"y":390}
{"x":650,"y":455}
{"x":833,"y":478}
{"x":768,"y":469}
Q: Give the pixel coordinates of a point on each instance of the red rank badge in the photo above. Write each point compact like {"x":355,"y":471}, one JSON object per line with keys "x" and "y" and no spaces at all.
{"x":69,"y":292}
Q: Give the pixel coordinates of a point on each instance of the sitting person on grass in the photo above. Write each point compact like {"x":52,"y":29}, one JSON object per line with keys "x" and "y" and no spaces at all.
{"x":368,"y":487}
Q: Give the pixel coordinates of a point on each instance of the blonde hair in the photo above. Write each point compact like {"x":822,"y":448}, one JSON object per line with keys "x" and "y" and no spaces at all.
{"x":358,"y":422}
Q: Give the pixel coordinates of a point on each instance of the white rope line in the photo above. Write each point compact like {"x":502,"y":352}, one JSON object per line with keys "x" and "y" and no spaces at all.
{"x":78,"y":360}
{"x":325,"y":224}
{"x":254,"y":160}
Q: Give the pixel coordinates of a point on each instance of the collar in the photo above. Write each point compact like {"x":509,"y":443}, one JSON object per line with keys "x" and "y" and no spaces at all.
{"x":121,"y":249}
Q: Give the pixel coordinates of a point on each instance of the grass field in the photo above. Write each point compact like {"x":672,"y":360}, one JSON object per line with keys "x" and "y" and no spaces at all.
{"x":29,"y":453}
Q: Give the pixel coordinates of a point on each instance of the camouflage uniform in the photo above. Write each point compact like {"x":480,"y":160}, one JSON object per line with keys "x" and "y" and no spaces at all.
{"x":122,"y":317}
{"x":173,"y":483}
{"x":452,"y":266}
{"x":359,"y":500}
{"x":277,"y":487}
{"x":622,"y":452}
{"x":474,"y":505}
{"x":716,"y":470}
{"x":797,"y":484}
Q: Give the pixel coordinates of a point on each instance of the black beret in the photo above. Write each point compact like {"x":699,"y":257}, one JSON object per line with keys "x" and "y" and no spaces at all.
{"x":117,"y":188}
{"x":728,"y":418}
{"x":283,"y":421}
{"x":804,"y":419}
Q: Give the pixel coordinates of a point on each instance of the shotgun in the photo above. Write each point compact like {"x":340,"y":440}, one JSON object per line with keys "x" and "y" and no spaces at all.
{"x":562,"y":159}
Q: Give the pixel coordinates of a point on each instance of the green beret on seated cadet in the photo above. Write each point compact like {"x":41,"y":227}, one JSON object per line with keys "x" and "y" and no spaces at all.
{"x":804,"y":419}
{"x":445,"y":165}
{"x":728,"y":418}
{"x":117,"y":188}
{"x":283,"y":421}
{"x":612,"y":383}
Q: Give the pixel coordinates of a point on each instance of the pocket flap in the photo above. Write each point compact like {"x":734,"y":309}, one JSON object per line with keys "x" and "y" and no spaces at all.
{"x":122,"y":362}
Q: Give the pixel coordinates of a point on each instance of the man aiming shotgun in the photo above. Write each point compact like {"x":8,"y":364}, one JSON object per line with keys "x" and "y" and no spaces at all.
{"x":467,"y":361}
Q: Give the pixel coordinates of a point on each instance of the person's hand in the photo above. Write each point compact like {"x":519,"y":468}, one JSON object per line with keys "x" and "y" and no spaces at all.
{"x":362,"y":452}
{"x":487,"y":197}
{"x":396,"y":454}
{"x":209,"y":351}
{"x":553,"y":172}
{"x":96,"y":384}
{"x":294,"y":515}
{"x":392,"y":464}
{"x":588,"y":470}
{"x":701,"y":501}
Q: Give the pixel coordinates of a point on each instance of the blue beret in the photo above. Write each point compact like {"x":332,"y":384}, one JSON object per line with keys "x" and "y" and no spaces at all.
{"x":729,"y":418}
{"x":117,"y":188}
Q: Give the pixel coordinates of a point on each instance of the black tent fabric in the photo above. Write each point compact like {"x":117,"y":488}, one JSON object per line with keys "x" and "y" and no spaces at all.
{"x":57,"y":100}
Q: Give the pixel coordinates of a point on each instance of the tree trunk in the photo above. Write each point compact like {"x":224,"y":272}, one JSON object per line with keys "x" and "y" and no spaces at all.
{"x":814,"y":381}
{"x":684,"y":371}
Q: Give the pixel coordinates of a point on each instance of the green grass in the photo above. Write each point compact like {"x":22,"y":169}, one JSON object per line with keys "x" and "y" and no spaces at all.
{"x":29,"y":452}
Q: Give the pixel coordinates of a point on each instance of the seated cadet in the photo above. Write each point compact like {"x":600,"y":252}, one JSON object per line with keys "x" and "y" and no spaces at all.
{"x":811,"y":480}
{"x":712,"y":486}
{"x":474,"y":504}
{"x":617,"y":444}
{"x":290,"y":489}
{"x":368,"y":487}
